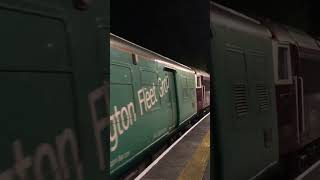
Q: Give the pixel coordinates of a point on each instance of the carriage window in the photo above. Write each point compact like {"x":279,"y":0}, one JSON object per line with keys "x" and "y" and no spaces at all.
{"x":283,"y":72}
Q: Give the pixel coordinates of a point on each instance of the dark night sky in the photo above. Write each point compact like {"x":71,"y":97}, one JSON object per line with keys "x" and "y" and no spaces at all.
{"x":177,"y":29}
{"x":302,"y":14}
{"x":180,"y":30}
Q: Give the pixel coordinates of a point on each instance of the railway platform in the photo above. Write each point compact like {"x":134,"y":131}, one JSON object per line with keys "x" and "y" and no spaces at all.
{"x":187,"y":158}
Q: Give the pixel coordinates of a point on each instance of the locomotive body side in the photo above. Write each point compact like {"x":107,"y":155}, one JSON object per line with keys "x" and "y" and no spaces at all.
{"x":245,"y":126}
{"x":307,"y":73}
{"x":151,"y":97}
{"x":296,"y":60}
{"x":206,"y":86}
{"x":296,"y":64}
{"x":51,"y":78}
{"x":285,"y":58}
{"x":203,"y":91}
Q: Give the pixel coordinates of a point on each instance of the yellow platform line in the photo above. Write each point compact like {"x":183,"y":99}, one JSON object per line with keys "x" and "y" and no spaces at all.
{"x":194,"y":170}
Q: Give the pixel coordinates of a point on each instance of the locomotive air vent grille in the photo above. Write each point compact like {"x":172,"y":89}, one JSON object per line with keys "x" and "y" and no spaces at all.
{"x":240,"y":99}
{"x":263,"y":97}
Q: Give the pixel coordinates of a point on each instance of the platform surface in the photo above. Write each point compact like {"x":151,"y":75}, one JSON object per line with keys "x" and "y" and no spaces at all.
{"x":188,"y":159}
{"x":206,"y":175}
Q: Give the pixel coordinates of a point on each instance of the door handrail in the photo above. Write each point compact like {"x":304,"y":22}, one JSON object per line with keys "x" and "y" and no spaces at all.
{"x":297,"y":106}
{"x":302,"y":103}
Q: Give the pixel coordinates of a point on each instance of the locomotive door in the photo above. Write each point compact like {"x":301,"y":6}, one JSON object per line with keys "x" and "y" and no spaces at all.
{"x":287,"y":92}
{"x":308,"y":90}
{"x":172,"y":97}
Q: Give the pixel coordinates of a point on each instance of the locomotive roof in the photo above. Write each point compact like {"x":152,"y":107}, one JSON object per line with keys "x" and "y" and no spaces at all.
{"x":318,"y":43}
{"x":222,"y":15}
{"x":284,"y":33}
{"x":303,"y":39}
{"x":201,"y":72}
{"x":280,"y":32}
{"x":120,"y":42}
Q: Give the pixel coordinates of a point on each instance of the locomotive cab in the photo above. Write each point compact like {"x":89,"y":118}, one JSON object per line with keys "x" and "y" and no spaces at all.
{"x":202,"y":91}
{"x":296,"y":64}
{"x":284,"y":58}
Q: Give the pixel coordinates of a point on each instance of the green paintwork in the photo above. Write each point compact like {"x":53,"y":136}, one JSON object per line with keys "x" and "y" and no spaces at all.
{"x":52,"y":58}
{"x":242,"y":59}
{"x":170,"y":111}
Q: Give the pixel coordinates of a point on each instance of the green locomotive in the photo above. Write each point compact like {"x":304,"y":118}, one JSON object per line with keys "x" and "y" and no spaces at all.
{"x":51,"y":73}
{"x":245,"y":126}
{"x":267,"y":110}
{"x":151,"y":96}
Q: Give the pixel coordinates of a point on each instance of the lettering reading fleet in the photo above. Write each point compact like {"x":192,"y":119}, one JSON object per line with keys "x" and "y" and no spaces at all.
{"x":55,"y":155}
{"x":121,"y":120}
{"x":148,"y":98}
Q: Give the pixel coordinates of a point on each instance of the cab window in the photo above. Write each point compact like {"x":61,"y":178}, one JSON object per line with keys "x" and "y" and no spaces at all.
{"x":283,"y":65}
{"x":198,"y":81}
